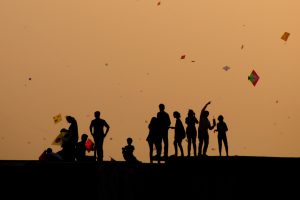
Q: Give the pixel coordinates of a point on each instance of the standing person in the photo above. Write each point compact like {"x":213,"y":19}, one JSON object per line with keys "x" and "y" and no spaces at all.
{"x":71,"y":138}
{"x":152,"y":138}
{"x":96,"y":129}
{"x":204,"y":126}
{"x":222,"y":129}
{"x":179,"y":133}
{"x":191,"y":131}
{"x":163,"y":121}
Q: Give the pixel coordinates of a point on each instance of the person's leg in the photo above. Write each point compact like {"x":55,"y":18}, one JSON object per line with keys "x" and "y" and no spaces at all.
{"x":166,"y":143}
{"x":201,"y":140}
{"x":175,"y":148}
{"x":206,"y":142}
{"x":220,"y":144}
{"x":150,"y":151}
{"x":189,"y":145}
{"x":100,"y":149}
{"x":194,"y":144}
{"x":180,"y":147}
{"x":158,"y":148}
{"x":225,"y":144}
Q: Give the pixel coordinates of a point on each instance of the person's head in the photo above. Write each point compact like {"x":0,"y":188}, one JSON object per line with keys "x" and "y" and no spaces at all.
{"x":84,"y":137}
{"x":206,"y":114}
{"x":49,"y":150}
{"x":70,"y":119}
{"x":161,"y":107}
{"x":63,"y":130}
{"x":220,"y":118}
{"x":176,"y":114}
{"x":129,"y":141}
{"x":153,"y":120}
{"x":97,"y":114}
{"x":191,"y":113}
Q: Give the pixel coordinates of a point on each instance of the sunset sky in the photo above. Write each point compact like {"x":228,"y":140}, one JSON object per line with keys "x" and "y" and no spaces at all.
{"x":123,"y":58}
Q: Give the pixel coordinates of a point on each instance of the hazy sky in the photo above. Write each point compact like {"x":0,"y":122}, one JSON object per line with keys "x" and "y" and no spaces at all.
{"x":122,"y":57}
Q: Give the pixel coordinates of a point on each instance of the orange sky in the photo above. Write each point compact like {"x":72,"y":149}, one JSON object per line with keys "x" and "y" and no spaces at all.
{"x":63,"y":46}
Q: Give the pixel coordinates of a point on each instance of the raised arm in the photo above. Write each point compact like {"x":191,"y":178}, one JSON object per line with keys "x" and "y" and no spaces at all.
{"x":204,"y":108}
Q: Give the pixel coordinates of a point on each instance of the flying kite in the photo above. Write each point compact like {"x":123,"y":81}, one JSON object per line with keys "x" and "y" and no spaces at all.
{"x":226,"y":68}
{"x":285,"y":36}
{"x":253,"y":77}
{"x":57,"y":118}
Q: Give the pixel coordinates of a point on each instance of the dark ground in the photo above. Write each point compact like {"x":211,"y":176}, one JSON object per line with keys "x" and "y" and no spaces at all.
{"x":182,"y":178}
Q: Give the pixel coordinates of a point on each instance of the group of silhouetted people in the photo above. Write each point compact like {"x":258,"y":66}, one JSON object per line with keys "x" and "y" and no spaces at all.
{"x":72,"y":150}
{"x":159,"y":126}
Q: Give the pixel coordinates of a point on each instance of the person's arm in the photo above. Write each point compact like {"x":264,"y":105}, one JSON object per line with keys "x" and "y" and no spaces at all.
{"x":169,"y":121}
{"x":204,"y":108}
{"x":107,"y":129}
{"x":213,"y":126}
{"x":196,"y":120}
{"x":226,"y":128}
{"x":91,"y":128}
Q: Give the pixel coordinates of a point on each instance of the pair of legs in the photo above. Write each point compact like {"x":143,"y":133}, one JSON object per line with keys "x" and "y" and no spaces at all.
{"x":151,"y":147}
{"x":191,"y":140}
{"x":177,"y":142}
{"x":222,"y":137}
{"x":98,"y":152}
{"x":203,"y":139}
{"x":165,"y":140}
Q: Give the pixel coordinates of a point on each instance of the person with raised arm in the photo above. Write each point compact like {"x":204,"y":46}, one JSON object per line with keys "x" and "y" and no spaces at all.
{"x":204,"y":126}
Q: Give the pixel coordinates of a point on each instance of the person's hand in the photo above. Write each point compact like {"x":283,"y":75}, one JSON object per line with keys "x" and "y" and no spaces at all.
{"x":208,"y":102}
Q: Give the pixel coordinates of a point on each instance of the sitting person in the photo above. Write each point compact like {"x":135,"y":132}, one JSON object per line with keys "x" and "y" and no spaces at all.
{"x":127,"y":152}
{"x":49,"y":155}
{"x":81,"y":148}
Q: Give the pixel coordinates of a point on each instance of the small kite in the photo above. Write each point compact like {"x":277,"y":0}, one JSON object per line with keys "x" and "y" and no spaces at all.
{"x":285,"y":36}
{"x":89,"y":145}
{"x":60,"y":138}
{"x":193,"y":61}
{"x":183,"y":56}
{"x":30,"y":78}
{"x":242,"y":46}
{"x":226,"y":68}
{"x":57,"y":118}
{"x":253,"y":77}
{"x":158,"y":3}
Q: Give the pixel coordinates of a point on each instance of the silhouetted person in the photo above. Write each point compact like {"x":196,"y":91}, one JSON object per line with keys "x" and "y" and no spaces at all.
{"x":153,"y":138}
{"x":73,"y":136}
{"x":49,"y":155}
{"x":164,"y":122}
{"x":191,"y":131}
{"x":204,"y":126}
{"x":81,"y":149}
{"x":68,"y":148}
{"x":97,"y":131}
{"x":179,"y":133}
{"x":222,"y":129}
{"x":127,"y":152}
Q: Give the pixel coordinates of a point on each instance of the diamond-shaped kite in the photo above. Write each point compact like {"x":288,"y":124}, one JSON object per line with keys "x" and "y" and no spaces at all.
{"x":158,"y":3}
{"x":285,"y":36}
{"x":59,"y":139}
{"x":89,"y":145}
{"x":253,"y":77}
{"x":57,"y":118}
{"x":226,"y":68}
{"x":183,"y":56}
